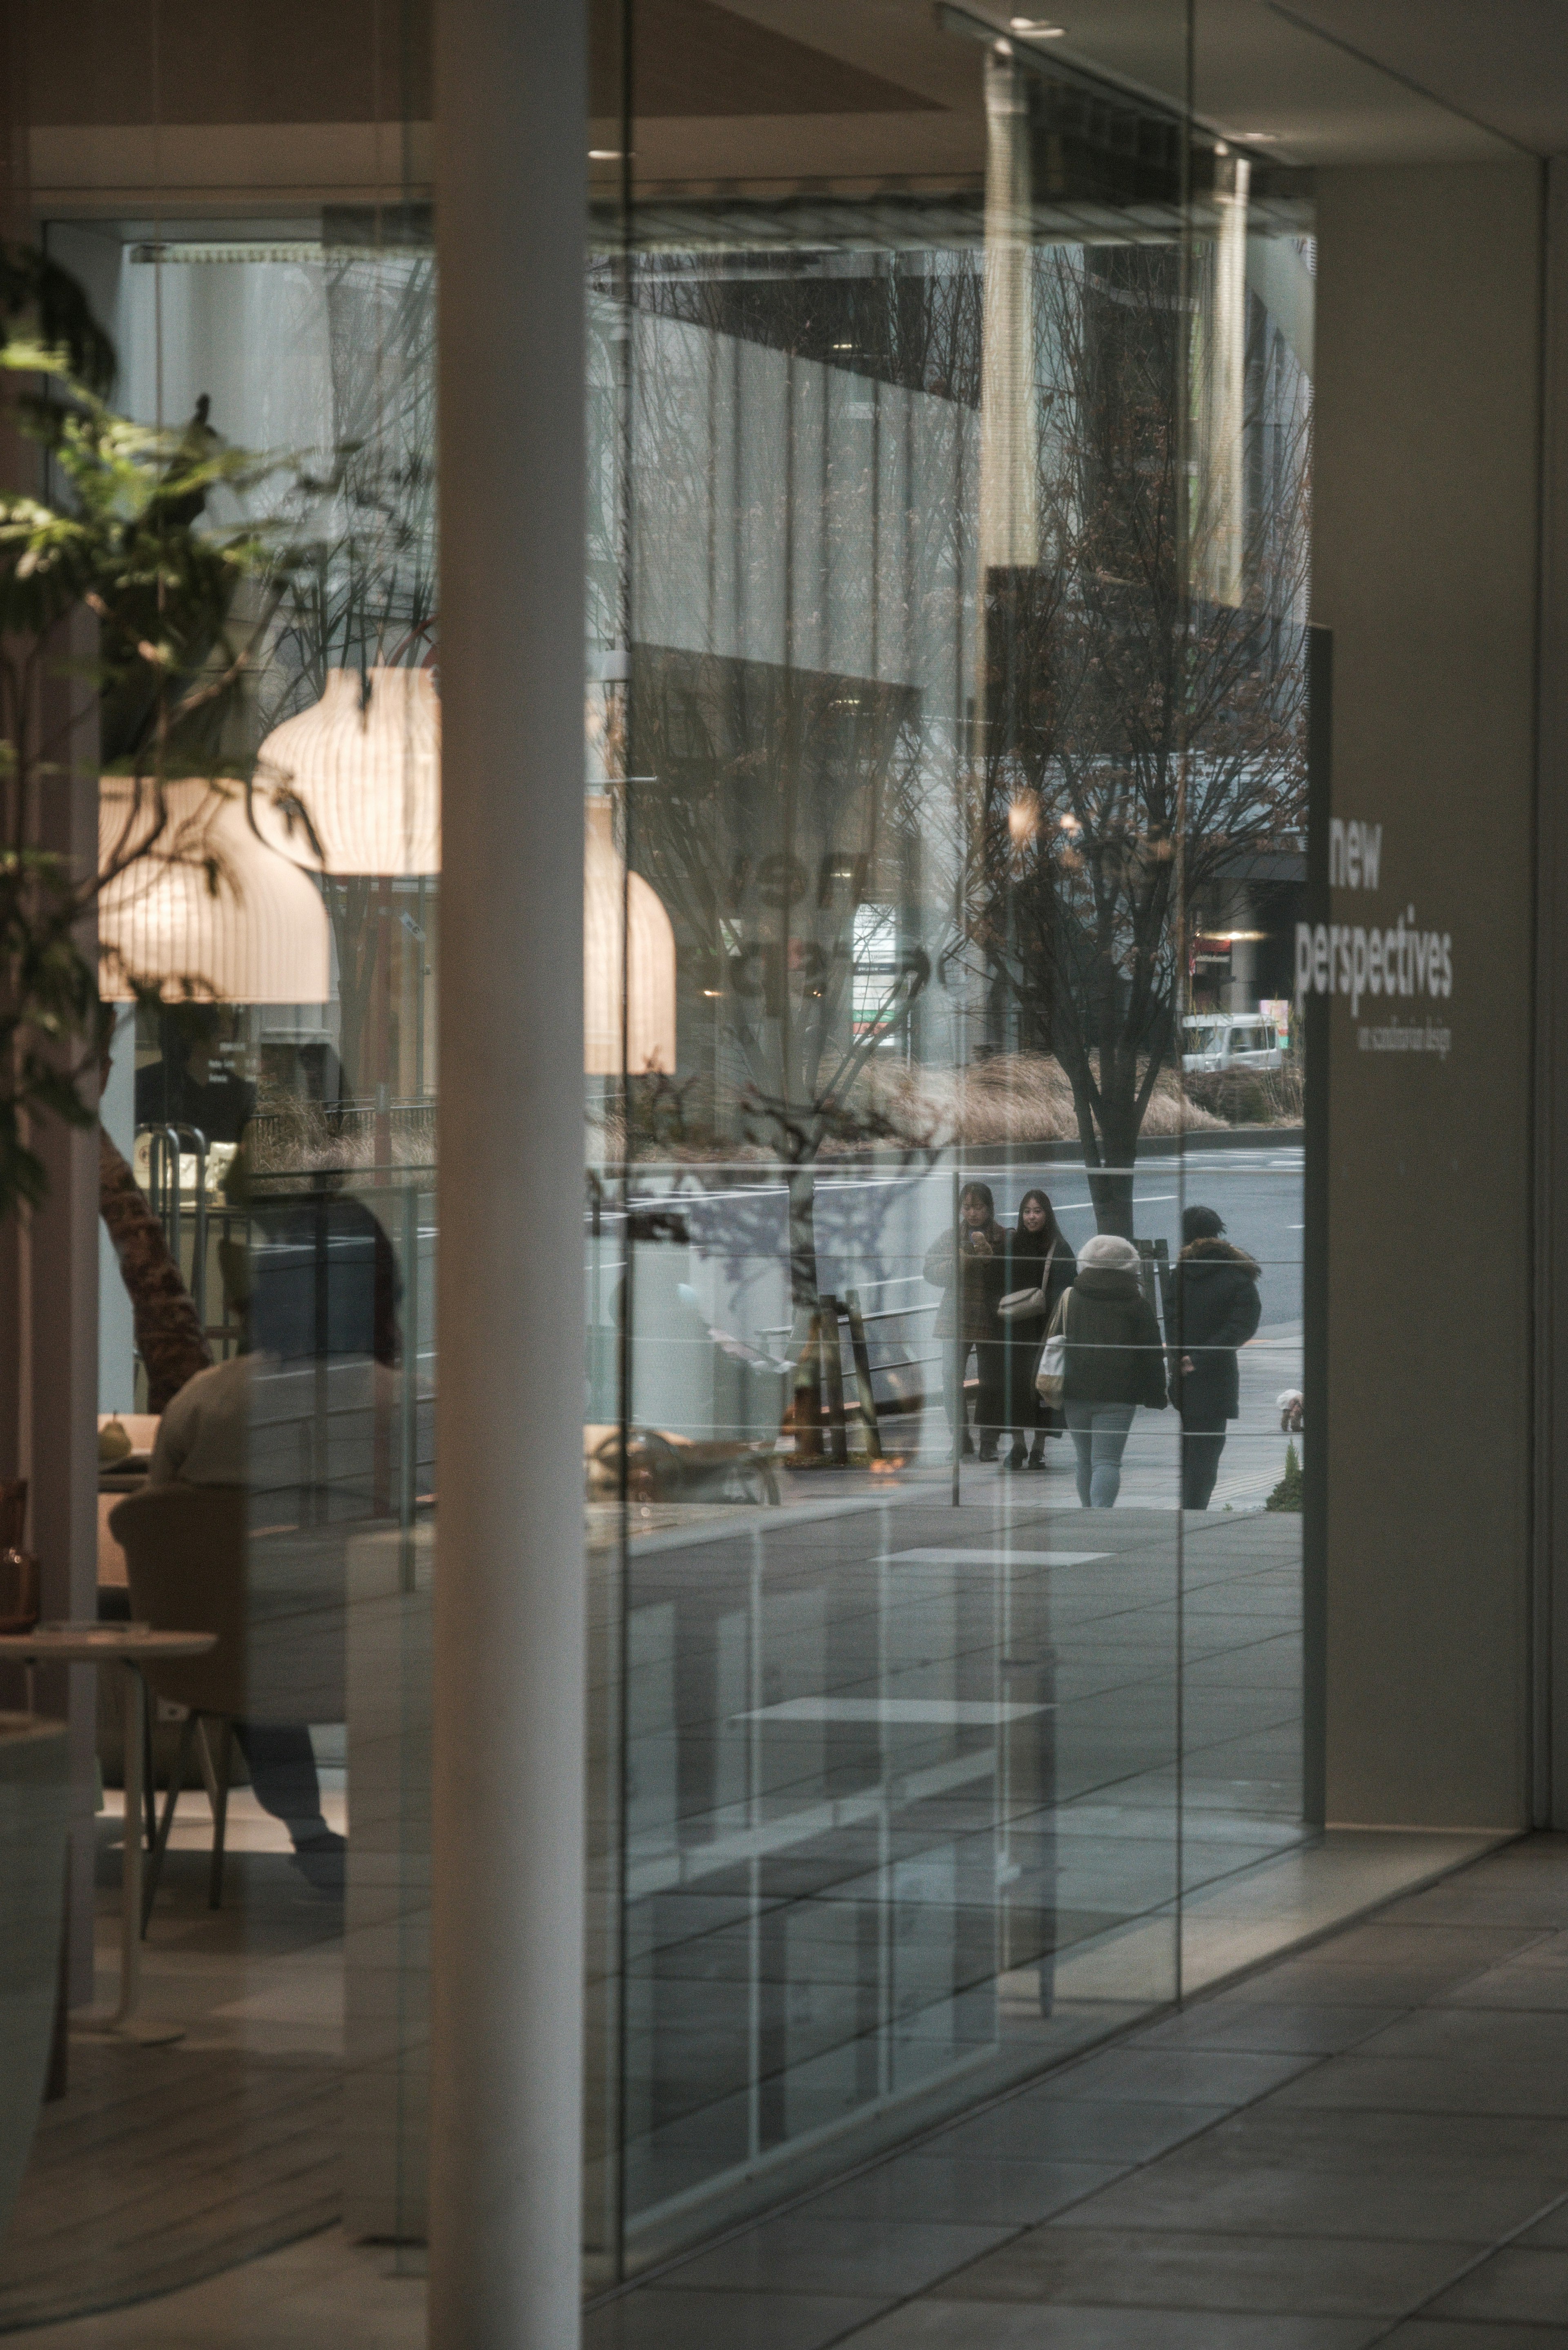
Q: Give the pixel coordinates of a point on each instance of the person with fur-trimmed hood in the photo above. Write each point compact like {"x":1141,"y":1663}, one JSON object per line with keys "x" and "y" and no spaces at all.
{"x":1214,"y":1309}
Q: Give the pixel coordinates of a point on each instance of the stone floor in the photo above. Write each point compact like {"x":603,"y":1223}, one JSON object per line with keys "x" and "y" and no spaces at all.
{"x":1364,"y":2143}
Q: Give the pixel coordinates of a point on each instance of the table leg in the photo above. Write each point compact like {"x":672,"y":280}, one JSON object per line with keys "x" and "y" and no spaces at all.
{"x":130,"y":1864}
{"x":124,"y":2024}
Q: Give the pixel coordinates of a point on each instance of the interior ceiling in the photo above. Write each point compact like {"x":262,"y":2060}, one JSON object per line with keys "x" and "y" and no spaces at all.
{"x":1504,"y":65}
{"x":1322,"y":81}
{"x":761,"y":97}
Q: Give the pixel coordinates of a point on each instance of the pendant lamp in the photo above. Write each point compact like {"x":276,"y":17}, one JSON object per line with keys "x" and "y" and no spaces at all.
{"x":259,"y":937}
{"x":366,"y":770}
{"x":614,"y":901}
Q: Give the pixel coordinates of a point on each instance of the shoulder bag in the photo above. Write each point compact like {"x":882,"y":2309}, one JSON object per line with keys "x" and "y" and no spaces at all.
{"x":1052,"y":1377}
{"x":1028,"y":1305}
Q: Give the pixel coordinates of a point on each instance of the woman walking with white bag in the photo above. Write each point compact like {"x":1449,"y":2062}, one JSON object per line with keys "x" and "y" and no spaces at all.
{"x":1103,"y":1359}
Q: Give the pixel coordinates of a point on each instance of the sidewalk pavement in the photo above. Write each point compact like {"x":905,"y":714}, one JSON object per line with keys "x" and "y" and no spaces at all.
{"x":1366,"y":2143}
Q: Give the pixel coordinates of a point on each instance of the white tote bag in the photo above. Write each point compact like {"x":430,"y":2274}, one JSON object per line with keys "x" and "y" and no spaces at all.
{"x":1052,"y":1377}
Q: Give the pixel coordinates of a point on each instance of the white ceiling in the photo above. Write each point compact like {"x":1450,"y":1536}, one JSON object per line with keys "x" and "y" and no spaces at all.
{"x":1504,"y":65}
{"x":1331,"y":81}
{"x":1345,"y":81}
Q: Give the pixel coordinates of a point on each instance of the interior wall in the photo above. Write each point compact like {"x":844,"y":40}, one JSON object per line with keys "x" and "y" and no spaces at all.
{"x":1425,"y":532}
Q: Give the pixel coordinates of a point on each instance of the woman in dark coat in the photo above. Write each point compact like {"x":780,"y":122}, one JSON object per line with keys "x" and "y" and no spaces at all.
{"x":1035,"y":1241}
{"x":969,"y":1267}
{"x":1215,"y":1308}
{"x":1113,"y":1362}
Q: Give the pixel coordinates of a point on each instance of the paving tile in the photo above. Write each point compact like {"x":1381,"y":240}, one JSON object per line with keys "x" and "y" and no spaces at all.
{"x":658,"y":2317}
{"x":1033,"y":2128}
{"x":1323,"y":2276}
{"x":1290,"y":2180}
{"x":999,"y":2325}
{"x":1534,"y":1978}
{"x":1439,"y":2333}
{"x":1527,"y":2285}
{"x":1389,"y":1941}
{"x":927,"y":2186}
{"x":1457,"y":2033}
{"x":1523,"y":1885}
{"x":1435,"y":2084}
{"x":1259,"y":2025}
{"x":1174,"y":2077}
{"x":1514,"y":2146}
{"x":806,"y":2251}
{"x":1310,"y":1981}
{"x":1552,"y":2230}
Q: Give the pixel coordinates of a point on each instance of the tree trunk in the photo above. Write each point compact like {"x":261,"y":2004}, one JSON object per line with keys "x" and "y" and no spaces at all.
{"x":805,"y":1300}
{"x":1109,"y":1151}
{"x":169,"y":1338}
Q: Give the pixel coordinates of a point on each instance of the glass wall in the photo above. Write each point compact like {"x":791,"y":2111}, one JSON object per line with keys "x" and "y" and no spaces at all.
{"x":949,"y":540}
{"x":946,"y":796}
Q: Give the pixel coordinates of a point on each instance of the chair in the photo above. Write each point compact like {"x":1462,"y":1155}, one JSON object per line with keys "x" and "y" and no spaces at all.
{"x":186,"y":1557}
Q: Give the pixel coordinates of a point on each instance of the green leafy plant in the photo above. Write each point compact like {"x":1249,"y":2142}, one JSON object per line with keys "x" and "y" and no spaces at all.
{"x":1287,"y":1493}
{"x":124,"y":640}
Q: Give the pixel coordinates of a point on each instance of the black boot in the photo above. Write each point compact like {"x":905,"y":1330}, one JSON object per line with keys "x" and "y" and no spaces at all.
{"x":1037,"y":1452}
{"x":988,"y":1445}
{"x":1017,"y":1458}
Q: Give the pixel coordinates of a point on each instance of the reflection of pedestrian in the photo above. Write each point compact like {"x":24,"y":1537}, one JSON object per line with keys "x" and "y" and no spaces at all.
{"x":969,"y":1267}
{"x":189,"y":1086}
{"x":203,"y":1440}
{"x":1033,"y":1244}
{"x":1113,"y":1362}
{"x":1214,"y":1308}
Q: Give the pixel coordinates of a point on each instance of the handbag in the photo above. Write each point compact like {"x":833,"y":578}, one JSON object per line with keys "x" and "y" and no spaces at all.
{"x":1052,"y":1377}
{"x":1027,"y":1305}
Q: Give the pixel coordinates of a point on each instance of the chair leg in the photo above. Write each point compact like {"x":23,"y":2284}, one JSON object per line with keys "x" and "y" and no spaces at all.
{"x":154,"y":1868}
{"x":220,"y":1815}
{"x":150,"y":1791}
{"x":209,"y":1768}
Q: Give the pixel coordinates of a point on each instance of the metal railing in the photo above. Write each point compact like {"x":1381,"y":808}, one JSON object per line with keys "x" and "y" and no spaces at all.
{"x":165,"y":1149}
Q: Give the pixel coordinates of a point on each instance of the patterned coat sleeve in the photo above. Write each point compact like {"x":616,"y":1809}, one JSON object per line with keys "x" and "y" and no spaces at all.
{"x":167,"y":1336}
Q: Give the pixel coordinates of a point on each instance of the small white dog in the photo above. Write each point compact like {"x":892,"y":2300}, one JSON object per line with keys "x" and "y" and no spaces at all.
{"x":1293,"y":1410}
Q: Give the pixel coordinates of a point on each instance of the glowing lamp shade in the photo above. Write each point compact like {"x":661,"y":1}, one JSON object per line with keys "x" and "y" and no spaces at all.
{"x":614,"y":900}
{"x":366,"y":773}
{"x":260,"y":938}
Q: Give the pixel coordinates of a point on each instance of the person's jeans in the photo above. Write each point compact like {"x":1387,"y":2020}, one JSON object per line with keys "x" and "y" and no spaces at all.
{"x":1200,"y":1450}
{"x":1100,"y":1434}
{"x":282,"y":1764}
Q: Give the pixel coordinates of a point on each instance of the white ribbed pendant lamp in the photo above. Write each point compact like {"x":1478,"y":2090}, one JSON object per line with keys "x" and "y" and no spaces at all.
{"x":260,"y":937}
{"x":367,"y":771}
{"x":613,"y":899}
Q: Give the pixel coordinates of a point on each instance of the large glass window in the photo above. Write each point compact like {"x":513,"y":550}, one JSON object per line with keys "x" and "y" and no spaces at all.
{"x":948,"y":702}
{"x":946,"y":805}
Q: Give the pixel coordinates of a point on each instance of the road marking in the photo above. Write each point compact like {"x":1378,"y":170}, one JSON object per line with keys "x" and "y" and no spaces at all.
{"x":897,"y":1712}
{"x":939,"y":1557}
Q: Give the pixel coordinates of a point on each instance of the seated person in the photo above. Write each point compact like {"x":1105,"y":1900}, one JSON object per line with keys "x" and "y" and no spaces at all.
{"x":203,"y":1439}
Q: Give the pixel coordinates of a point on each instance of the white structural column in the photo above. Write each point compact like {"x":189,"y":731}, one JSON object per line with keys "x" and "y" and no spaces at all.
{"x":507,"y":1801}
{"x":1010,"y":426}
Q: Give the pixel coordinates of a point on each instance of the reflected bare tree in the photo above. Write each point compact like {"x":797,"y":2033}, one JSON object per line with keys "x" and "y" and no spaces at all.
{"x":1139,"y":737}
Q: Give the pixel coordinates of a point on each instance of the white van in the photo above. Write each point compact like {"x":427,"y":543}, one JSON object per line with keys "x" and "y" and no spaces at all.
{"x":1231,"y":1040}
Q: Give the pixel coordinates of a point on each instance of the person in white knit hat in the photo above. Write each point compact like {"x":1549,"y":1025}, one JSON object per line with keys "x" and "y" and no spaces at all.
{"x":1114,"y":1361}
